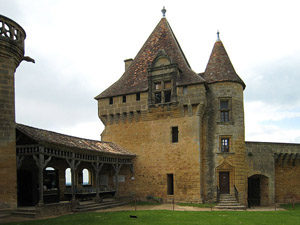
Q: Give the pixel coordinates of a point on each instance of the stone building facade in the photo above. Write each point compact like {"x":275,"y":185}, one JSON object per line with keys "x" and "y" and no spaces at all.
{"x":188,"y":131}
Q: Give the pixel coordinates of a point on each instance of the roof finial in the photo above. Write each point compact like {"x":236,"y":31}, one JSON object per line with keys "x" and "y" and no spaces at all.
{"x":164,"y":12}
{"x":218,"y":35}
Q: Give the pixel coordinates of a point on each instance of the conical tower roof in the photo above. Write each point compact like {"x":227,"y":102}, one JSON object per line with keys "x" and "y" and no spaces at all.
{"x":135,"y":78}
{"x":219,"y":67}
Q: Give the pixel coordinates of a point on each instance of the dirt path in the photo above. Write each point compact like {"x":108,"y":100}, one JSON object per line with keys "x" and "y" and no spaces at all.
{"x":178,"y":208}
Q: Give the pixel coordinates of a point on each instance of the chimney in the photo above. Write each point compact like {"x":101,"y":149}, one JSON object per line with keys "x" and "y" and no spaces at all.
{"x":127,"y":63}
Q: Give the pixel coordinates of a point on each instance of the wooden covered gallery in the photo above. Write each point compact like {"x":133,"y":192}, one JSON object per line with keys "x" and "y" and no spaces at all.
{"x":53,"y":167}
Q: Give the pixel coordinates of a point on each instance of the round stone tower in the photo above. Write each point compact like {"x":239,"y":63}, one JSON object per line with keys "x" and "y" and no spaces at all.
{"x":225,"y":151}
{"x":12,"y":38}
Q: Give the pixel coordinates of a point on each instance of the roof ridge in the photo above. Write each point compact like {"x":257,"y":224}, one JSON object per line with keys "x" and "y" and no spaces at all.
{"x":186,"y":61}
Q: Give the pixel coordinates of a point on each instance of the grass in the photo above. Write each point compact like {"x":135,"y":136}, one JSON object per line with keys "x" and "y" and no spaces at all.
{"x":290,"y":206}
{"x":164,"y":217}
{"x":199,"y":205}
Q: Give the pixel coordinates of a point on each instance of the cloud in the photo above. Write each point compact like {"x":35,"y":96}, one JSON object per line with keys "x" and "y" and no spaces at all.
{"x":268,"y":123}
{"x":275,"y":82}
{"x":48,"y":97}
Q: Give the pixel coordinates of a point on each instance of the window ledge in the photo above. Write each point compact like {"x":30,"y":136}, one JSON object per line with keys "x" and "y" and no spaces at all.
{"x":226,"y":123}
{"x":225,"y":153}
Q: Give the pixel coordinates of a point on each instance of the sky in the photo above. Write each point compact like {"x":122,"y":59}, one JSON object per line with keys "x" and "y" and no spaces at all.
{"x":80,"y":47}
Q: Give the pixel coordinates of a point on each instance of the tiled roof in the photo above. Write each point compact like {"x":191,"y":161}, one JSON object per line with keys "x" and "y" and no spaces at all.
{"x":134,"y":78}
{"x":220,"y":68}
{"x":62,"y":140}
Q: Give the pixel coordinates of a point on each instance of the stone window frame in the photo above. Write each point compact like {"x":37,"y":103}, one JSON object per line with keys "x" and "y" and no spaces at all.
{"x":111,"y":100}
{"x":224,"y":111}
{"x":163,"y":92}
{"x":174,"y":134}
{"x":229,"y":146}
{"x":138,"y":97}
{"x":124,"y":99}
{"x":170,"y":184}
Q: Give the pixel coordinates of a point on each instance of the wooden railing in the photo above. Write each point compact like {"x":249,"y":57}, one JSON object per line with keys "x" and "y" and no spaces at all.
{"x":236,"y":193}
{"x":218,"y":193}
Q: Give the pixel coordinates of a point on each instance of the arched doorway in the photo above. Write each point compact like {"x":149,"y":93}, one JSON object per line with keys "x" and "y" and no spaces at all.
{"x":258,"y":190}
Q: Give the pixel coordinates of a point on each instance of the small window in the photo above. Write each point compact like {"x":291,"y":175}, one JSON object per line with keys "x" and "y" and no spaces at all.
{"x":224,"y":144}
{"x":167,"y":96}
{"x":157,"y":97}
{"x":157,"y":86}
{"x":168,"y":85}
{"x":174,"y":134}
{"x":224,"y":104}
{"x":170,"y":184}
{"x":138,"y":96}
{"x":224,"y":111}
{"x":111,"y":100}
{"x":185,"y":90}
{"x":124,"y":98}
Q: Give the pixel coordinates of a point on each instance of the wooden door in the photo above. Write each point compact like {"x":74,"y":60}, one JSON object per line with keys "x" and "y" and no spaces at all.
{"x":224,"y":182}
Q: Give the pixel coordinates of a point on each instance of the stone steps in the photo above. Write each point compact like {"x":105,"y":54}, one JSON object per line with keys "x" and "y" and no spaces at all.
{"x":27,"y":212}
{"x":4,"y":213}
{"x":92,"y":206}
{"x":228,"y":202}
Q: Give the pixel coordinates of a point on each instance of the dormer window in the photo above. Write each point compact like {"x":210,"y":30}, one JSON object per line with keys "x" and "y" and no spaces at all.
{"x":162,"y":75}
{"x":157,"y":86}
{"x":162,"y":95}
{"x":157,"y":97}
{"x":167,"y":85}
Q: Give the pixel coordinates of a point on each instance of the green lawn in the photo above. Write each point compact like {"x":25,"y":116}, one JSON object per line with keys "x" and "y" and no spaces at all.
{"x":174,"y":217}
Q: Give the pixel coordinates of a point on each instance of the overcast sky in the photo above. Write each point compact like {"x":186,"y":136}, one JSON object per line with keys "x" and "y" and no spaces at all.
{"x":79,"y":48}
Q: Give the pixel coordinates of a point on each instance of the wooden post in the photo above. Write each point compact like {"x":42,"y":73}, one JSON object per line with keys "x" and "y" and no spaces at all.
{"x":41,"y":164}
{"x":41,"y":179}
{"x":173,"y":203}
{"x":73,"y":165}
{"x":97,"y":167}
{"x":117,"y":168}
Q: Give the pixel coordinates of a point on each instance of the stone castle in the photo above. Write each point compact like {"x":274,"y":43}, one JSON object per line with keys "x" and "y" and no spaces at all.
{"x":170,"y":133}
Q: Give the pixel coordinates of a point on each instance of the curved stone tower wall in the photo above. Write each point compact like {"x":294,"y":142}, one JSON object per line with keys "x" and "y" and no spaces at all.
{"x":11,"y":54}
{"x":215,"y":159}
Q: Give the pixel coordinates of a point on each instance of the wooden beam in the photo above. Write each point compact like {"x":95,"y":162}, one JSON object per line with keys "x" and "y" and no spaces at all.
{"x":97,"y":167}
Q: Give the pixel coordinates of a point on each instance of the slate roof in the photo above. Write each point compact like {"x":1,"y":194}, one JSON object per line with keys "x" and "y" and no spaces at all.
{"x":134,"y":78}
{"x":61,"y":140}
{"x":219,"y":67}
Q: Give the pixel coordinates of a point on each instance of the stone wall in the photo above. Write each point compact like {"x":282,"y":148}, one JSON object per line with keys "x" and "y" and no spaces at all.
{"x":8,"y":186}
{"x":287,"y":182}
{"x":260,"y":160}
{"x":280,"y":163}
{"x":148,"y":135}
